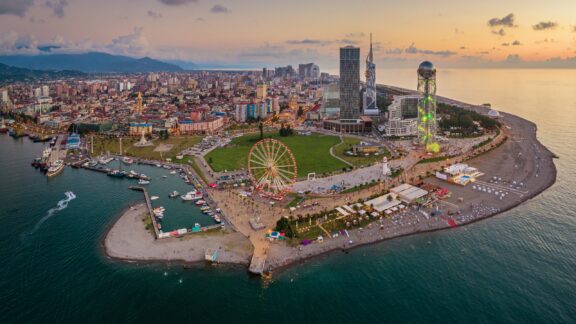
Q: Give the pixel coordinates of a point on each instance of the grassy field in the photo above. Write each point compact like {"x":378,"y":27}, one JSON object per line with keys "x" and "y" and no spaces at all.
{"x":312,"y":153}
{"x":103,"y":145}
{"x":358,"y":161}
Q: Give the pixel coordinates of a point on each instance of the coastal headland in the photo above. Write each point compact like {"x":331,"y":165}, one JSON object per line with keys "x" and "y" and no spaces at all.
{"x":521,"y":165}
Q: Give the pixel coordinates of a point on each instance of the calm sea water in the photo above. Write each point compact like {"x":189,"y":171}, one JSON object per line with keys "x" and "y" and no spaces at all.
{"x":518,"y":266}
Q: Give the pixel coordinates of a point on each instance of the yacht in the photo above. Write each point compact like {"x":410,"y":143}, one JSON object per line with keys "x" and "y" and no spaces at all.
{"x":191,"y":196}
{"x":55,"y":168}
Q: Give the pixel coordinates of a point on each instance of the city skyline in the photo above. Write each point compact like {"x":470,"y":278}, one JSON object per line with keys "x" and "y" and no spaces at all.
{"x":519,"y":34}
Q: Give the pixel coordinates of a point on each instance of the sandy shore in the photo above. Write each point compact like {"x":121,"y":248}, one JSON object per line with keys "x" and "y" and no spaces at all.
{"x":521,"y":158}
{"x":129,"y":240}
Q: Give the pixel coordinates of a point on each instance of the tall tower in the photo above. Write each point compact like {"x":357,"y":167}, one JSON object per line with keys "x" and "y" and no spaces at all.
{"x":139,"y":103}
{"x":349,"y":84}
{"x":369,"y":102}
{"x":427,"y":106}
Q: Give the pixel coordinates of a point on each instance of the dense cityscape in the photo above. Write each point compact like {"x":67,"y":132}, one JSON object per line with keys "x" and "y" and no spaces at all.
{"x":303,"y":172}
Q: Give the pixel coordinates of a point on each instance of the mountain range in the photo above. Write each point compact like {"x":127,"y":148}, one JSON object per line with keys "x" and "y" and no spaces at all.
{"x":93,"y":62}
{"x":10,"y":74}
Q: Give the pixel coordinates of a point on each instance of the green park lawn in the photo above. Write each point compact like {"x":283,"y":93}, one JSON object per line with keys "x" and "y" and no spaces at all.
{"x":340,"y":151}
{"x":103,"y":145}
{"x":312,"y":153}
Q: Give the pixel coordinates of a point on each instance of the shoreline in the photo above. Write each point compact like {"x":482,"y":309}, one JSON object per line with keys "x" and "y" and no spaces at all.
{"x":283,"y":256}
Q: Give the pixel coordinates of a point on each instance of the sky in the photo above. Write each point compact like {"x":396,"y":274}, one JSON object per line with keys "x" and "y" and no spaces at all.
{"x":259,"y":33}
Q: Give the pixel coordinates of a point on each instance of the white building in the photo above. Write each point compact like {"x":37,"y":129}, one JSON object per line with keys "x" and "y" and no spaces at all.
{"x":403,"y":116}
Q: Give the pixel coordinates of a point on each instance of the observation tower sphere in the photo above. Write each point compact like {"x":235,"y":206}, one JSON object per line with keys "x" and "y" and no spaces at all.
{"x":426,"y":69}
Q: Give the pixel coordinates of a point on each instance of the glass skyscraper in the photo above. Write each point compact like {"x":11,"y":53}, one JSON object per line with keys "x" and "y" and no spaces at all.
{"x":349,"y":84}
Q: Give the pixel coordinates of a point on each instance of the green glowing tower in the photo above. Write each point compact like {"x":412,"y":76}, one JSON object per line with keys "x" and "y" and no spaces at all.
{"x":427,"y":107}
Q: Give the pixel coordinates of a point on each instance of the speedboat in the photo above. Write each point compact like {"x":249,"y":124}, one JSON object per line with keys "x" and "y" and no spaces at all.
{"x":143,"y":182}
{"x":174,"y":194}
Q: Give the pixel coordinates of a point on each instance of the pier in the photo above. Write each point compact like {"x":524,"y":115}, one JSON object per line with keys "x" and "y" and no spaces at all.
{"x":149,"y":206}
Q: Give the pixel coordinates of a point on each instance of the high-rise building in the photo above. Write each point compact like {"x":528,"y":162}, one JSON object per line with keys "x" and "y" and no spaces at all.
{"x":139,"y":104}
{"x":309,"y":70}
{"x":369,"y":102}
{"x":261,"y":90}
{"x":349,"y":84}
{"x":45,"y":91}
{"x":427,"y":106}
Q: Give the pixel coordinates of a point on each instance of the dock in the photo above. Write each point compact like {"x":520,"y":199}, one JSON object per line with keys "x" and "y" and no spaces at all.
{"x":149,"y":205}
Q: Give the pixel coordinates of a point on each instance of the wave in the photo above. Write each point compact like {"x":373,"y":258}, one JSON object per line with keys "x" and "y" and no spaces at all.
{"x":61,"y":205}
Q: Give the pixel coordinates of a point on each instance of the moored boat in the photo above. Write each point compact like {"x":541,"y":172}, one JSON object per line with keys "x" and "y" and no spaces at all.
{"x":116,"y":174}
{"x":55,"y":168}
{"x":173,"y":194}
{"x":127,"y":160}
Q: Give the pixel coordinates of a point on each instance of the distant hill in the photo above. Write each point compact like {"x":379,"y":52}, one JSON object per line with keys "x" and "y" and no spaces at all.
{"x":10,"y":74}
{"x":94,"y":62}
{"x":183,"y":64}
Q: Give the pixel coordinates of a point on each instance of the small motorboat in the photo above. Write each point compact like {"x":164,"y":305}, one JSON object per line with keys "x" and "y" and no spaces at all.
{"x":200,"y":203}
{"x":143,"y":182}
{"x":154,"y":198}
{"x":127,"y":160}
{"x":197,"y":225}
{"x":164,"y":177}
{"x":217,"y":219}
{"x":174,"y":194}
{"x":173,"y":172}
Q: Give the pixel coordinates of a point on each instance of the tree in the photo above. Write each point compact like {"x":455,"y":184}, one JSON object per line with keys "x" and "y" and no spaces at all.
{"x":261,"y":127}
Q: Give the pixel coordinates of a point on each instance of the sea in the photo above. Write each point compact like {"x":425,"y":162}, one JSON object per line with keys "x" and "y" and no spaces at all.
{"x":519,"y":266}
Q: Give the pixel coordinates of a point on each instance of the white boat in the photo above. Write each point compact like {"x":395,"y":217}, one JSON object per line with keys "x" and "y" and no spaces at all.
{"x":105,"y":160}
{"x":55,"y":168}
{"x":217,"y":219}
{"x":191,"y":196}
{"x":154,"y":198}
{"x":173,"y":172}
{"x":127,"y":160}
{"x":145,"y":177}
{"x":174,"y":194}
{"x":200,"y":202}
{"x":143,"y":182}
{"x":197,"y":225}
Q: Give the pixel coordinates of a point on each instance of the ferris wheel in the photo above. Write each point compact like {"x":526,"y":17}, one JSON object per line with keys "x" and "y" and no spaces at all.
{"x":272,"y":168}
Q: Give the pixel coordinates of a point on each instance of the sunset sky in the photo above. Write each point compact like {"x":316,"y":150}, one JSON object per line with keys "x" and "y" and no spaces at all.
{"x":254,"y":33}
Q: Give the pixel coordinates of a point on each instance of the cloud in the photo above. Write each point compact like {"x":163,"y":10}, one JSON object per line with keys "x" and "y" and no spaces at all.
{"x":218,"y":9}
{"x":199,"y":19}
{"x":505,"y":44}
{"x":414,"y":50}
{"x":354,"y":35}
{"x":394,"y":51}
{"x":134,"y":43}
{"x":154,"y":14}
{"x":500,"y":32}
{"x":516,"y":43}
{"x":57,"y":7}
{"x":513,"y":59}
{"x":543,"y":25}
{"x":307,"y":42}
{"x":462,"y":47}
{"x":12,"y":43}
{"x":176,"y":2}
{"x":15,"y":7}
{"x":506,"y":21}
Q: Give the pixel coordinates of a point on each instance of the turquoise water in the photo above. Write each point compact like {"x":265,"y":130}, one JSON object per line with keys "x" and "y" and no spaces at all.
{"x":518,"y":266}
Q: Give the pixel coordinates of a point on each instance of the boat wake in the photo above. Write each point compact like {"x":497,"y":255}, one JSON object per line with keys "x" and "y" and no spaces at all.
{"x":62,"y":204}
